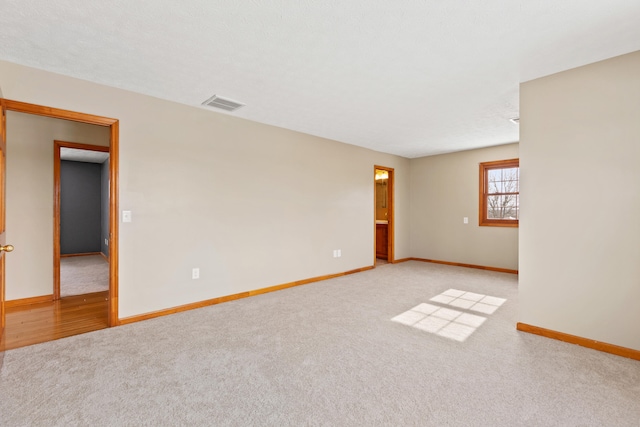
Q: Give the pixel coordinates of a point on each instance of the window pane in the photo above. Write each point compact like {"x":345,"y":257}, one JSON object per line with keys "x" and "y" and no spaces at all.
{"x":509,"y":210}
{"x":511,"y":187}
{"x":510,"y":177}
{"x":495,"y":187}
{"x":502,"y":207}
{"x":493,"y":207}
{"x":495,"y":174}
{"x":503,"y":180}
{"x":509,"y":174}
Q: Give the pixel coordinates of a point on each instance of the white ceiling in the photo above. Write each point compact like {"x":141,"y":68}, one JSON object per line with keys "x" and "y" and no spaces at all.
{"x":410,"y":77}
{"x":87,"y":156}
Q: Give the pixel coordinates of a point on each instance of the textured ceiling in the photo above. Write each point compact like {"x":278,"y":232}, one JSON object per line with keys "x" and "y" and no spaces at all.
{"x":79,"y":155}
{"x":407,"y":77}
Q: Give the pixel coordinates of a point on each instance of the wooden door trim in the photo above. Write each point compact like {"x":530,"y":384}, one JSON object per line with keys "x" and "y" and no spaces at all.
{"x":390,"y":214}
{"x":57,"y":145}
{"x":3,"y":146}
{"x":113,"y":124}
{"x":57,"y":113}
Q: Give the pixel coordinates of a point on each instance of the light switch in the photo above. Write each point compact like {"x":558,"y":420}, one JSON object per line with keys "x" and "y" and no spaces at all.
{"x":126,"y":216}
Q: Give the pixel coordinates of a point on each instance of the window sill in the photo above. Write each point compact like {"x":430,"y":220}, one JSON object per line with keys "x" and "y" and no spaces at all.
{"x":514,"y":224}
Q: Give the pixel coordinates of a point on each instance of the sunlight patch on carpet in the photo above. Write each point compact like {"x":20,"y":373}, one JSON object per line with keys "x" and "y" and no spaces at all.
{"x":447,"y":322}
{"x":469,"y":300}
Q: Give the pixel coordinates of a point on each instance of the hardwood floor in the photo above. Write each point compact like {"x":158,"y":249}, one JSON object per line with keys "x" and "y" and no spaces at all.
{"x":42,"y":322}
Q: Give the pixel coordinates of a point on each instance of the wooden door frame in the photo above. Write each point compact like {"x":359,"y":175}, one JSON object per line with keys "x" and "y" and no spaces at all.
{"x":113,"y":125}
{"x":390,"y":215}
{"x":3,"y":156}
{"x":57,"y":145}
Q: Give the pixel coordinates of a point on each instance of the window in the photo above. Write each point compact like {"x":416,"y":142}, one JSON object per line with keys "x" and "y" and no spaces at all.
{"x":500,"y":193}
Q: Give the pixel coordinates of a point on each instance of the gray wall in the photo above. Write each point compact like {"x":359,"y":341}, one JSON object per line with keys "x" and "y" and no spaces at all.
{"x":80,"y":207}
{"x":104,"y":208}
{"x":444,"y":190}
{"x":580,"y":228}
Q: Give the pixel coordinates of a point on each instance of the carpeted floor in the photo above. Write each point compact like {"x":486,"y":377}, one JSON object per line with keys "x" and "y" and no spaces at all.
{"x":328,"y":353}
{"x":83,"y":275}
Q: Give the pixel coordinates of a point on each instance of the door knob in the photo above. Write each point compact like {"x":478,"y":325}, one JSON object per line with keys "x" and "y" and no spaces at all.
{"x":6,"y":248}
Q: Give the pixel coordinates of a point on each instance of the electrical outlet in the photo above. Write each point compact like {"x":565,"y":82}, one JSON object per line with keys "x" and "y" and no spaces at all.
{"x":465,"y":220}
{"x":195,"y":273}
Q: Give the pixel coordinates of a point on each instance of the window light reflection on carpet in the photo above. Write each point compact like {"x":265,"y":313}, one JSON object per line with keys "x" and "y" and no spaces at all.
{"x":469,"y":301}
{"x":441,"y":321}
{"x":447,"y":322}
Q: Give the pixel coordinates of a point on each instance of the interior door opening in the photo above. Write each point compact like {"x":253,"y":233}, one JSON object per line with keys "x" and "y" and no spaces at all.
{"x":81,"y":225}
{"x":33,"y":301}
{"x":383,"y":214}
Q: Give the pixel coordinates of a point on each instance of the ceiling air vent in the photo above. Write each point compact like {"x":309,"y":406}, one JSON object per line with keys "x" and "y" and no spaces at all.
{"x":222,"y":103}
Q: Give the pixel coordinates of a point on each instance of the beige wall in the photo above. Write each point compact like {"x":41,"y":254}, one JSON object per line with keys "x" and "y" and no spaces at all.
{"x":251,"y":205}
{"x":580,"y":223}
{"x":29,"y":269}
{"x":444,"y":190}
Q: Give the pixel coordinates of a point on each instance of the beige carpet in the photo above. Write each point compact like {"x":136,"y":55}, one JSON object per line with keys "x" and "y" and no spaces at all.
{"x":368,"y":349}
{"x":83,"y":275}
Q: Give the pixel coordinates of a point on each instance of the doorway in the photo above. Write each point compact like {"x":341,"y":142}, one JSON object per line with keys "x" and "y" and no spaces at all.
{"x":383,"y":180}
{"x":39,"y":301}
{"x":81,"y":219}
